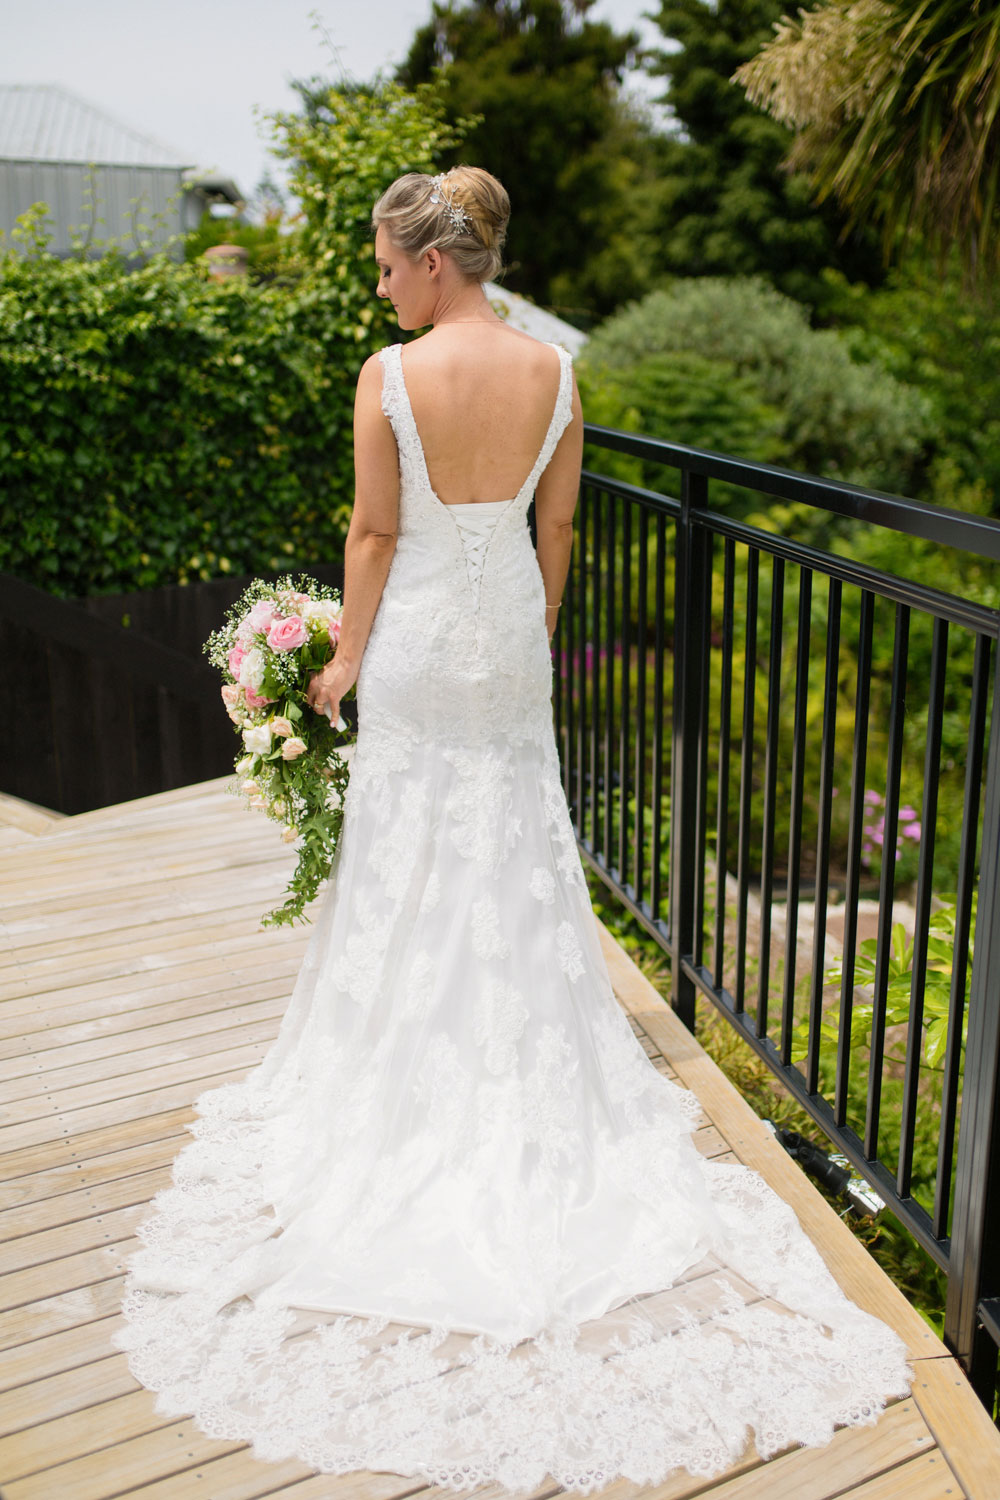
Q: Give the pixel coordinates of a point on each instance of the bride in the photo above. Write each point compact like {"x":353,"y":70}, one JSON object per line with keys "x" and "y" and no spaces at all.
{"x":454,"y":1225}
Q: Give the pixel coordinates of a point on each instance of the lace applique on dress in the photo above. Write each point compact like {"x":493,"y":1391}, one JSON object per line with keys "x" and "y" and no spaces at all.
{"x":454,"y":1225}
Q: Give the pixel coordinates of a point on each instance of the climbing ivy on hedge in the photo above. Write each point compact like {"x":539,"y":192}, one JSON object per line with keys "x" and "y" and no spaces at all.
{"x":157,"y":426}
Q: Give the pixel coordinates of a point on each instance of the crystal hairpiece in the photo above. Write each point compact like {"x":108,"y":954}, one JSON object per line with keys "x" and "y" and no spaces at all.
{"x":456,"y":213}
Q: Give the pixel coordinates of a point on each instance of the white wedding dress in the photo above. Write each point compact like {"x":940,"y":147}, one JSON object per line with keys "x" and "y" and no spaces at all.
{"x":454,"y":1225}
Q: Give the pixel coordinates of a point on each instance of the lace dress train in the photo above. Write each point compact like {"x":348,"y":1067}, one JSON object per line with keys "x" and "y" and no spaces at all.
{"x":454,"y":1225}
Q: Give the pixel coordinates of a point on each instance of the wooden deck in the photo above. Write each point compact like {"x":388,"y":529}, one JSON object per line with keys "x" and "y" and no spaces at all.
{"x":133,"y":975}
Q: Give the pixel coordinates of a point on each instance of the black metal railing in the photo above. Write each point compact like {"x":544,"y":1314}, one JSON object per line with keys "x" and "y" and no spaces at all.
{"x":770,"y":748}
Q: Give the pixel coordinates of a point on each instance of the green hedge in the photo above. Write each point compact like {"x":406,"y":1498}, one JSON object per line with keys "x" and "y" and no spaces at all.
{"x":157,"y":426}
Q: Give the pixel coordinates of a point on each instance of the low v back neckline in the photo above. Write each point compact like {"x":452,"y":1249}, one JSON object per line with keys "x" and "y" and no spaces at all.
{"x":535,"y":471}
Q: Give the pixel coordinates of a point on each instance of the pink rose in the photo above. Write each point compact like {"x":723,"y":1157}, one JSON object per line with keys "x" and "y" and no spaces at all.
{"x":254,"y":700}
{"x":288,"y":635}
{"x":232,"y":697}
{"x":281,"y":726}
{"x":263,"y":615}
{"x":235,"y":658}
{"x":293,"y":748}
{"x":333,"y":630}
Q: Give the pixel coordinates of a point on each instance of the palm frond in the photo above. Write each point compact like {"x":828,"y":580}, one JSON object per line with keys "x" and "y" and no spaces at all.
{"x":896,"y":110}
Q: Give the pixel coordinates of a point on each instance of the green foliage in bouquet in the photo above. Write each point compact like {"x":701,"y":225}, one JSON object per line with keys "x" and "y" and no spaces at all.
{"x":275,"y":637}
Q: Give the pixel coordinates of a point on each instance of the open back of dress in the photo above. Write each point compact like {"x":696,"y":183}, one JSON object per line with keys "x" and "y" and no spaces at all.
{"x":454,"y":1225}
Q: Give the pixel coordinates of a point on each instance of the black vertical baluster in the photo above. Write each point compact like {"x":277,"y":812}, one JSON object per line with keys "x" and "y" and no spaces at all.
{"x":725,"y":728}
{"x":925,"y":875}
{"x":859,"y":761}
{"x":950,"y":1084}
{"x":887,"y":884}
{"x":974,"y":1261}
{"x":770,"y":787}
{"x":831,"y":671}
{"x":795,"y":812}
{"x":659,"y":646}
{"x":581,"y":664}
{"x":610,"y":633}
{"x":691,"y":613}
{"x":624,"y":707}
{"x":641,"y":661}
{"x":746,"y":777}
{"x":566,"y":635}
{"x":595,"y":671}
{"x":705,"y":671}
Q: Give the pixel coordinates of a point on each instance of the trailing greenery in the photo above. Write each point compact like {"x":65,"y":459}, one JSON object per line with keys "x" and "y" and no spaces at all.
{"x":158,"y":426}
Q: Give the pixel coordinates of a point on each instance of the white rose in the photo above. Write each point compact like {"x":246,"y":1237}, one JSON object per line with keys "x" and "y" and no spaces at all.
{"x":319,"y":609}
{"x":252,"y":669}
{"x":258,"y":739}
{"x":290,"y":835}
{"x":293,"y":748}
{"x":243,"y":766}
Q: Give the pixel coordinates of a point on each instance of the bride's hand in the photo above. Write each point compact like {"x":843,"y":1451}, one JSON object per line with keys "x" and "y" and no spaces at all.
{"x":326,"y":688}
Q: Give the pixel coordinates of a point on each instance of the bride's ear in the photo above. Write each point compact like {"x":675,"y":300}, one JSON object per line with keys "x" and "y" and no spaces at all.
{"x":432,"y":260}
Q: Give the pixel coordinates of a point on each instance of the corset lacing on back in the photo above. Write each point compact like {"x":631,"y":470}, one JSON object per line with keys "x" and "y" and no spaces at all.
{"x":476,"y":521}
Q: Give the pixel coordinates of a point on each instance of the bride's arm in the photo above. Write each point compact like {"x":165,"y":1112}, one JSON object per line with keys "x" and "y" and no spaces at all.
{"x":371,"y":538}
{"x":555,"y":502}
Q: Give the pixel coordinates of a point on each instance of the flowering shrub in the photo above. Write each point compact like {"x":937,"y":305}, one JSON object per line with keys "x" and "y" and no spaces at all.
{"x":908,"y":833}
{"x":275,"y":637}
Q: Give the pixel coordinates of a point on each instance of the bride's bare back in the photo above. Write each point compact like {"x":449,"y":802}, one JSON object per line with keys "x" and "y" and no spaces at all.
{"x":482,"y":398}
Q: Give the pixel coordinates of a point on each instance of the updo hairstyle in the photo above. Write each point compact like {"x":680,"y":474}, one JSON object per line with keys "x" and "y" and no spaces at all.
{"x":415,"y":224}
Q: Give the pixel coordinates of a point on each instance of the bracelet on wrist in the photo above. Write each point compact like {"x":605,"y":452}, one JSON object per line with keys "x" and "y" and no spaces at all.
{"x":553,"y":606}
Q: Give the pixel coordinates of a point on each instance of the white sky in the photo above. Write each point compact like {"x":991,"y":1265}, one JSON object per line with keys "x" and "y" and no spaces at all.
{"x":189,"y":72}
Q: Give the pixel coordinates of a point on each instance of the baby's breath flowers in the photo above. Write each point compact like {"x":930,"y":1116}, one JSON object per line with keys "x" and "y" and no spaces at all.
{"x":290,"y":766}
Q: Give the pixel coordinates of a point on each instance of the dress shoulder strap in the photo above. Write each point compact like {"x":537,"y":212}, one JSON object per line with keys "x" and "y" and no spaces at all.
{"x":562,"y":412}
{"x":393,"y":390}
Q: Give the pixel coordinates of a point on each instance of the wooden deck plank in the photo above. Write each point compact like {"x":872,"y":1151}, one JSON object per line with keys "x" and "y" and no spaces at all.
{"x":91,"y":1145}
{"x":109,"y":1034}
{"x":67,"y":1209}
{"x":50,"y":1314}
{"x":22,"y":1076}
{"x":52,"y":1183}
{"x":125,"y":1074}
{"x":166,"y":1452}
{"x":69,"y":1391}
{"x":925,"y":1478}
{"x":59,"y":1439}
{"x":59,"y":1351}
{"x":853,"y":1455}
{"x":96,"y":1010}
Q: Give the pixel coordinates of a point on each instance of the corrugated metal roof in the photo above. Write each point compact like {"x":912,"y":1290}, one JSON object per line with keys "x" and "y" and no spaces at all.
{"x":45,"y":122}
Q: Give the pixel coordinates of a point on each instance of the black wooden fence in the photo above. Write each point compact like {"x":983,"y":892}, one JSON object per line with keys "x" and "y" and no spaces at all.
{"x":743,"y":720}
{"x":111,"y":697}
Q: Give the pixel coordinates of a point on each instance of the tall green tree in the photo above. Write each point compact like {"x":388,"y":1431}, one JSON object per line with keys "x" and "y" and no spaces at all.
{"x":578,"y":163}
{"x":729,"y":206}
{"x":897,"y":114}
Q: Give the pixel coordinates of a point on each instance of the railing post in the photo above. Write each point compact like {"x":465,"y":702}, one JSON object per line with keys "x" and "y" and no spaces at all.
{"x":692,"y":612}
{"x":974,"y":1262}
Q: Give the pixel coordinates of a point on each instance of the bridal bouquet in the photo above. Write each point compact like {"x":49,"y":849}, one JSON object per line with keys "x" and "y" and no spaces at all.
{"x":275,"y":637}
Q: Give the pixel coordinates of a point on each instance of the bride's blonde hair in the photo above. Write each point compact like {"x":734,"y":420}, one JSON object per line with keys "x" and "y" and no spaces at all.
{"x":463,"y":212}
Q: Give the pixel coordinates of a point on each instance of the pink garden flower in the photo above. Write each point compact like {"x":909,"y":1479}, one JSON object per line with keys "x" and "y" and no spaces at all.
{"x":288,"y":635}
{"x":236,"y":656}
{"x":254,"y":700}
{"x":333,"y":630}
